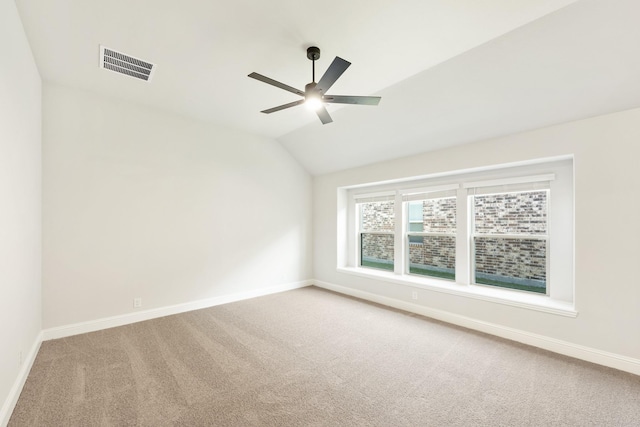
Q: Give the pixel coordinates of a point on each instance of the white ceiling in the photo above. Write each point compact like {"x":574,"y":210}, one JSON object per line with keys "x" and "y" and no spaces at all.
{"x":449,"y":71}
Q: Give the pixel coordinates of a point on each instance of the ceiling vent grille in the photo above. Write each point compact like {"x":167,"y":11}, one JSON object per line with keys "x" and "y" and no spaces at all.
{"x":125,"y":64}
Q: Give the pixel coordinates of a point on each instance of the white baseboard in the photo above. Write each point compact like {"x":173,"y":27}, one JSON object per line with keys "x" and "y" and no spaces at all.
{"x":139,"y":316}
{"x":10,"y":403}
{"x":612,"y":360}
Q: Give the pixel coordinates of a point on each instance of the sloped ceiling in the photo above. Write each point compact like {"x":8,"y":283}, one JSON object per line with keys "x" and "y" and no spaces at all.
{"x":449,"y":72}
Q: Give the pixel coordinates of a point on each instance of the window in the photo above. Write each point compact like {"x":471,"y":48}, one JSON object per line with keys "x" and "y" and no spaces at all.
{"x":510,"y":240}
{"x":503,"y":234}
{"x":431,"y":234}
{"x":376,"y":232}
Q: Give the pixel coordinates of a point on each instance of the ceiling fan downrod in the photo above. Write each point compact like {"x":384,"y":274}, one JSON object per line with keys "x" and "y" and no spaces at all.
{"x":313,"y":53}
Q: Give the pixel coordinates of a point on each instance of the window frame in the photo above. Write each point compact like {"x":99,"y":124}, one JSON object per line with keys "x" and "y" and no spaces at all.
{"x":560,"y":292}
{"x":434,"y":194}
{"x":372,"y":198}
{"x":546,"y":236}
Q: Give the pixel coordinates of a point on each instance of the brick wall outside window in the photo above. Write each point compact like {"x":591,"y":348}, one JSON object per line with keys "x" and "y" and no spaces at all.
{"x":377,"y":216}
{"x":511,"y":213}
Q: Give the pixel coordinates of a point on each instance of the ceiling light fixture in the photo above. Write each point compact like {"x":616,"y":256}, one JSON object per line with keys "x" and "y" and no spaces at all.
{"x":312,"y":98}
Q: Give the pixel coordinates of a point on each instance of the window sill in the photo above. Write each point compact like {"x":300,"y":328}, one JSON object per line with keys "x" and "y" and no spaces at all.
{"x":501,"y":296}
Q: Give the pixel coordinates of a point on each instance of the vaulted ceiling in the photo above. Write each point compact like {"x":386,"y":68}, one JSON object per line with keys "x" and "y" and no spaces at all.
{"x":449,"y":72}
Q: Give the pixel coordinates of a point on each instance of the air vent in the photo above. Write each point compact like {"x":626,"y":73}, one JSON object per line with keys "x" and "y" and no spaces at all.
{"x":125,"y":64}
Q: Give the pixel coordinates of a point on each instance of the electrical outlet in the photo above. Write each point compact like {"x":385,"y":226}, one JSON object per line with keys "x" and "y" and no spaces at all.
{"x":414,"y":294}
{"x":137,"y":302}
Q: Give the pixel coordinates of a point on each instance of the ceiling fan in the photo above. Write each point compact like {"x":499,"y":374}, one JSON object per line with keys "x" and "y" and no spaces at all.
{"x":315,"y":94}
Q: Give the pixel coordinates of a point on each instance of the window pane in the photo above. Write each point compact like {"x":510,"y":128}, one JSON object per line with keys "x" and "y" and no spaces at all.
{"x":415,"y":211}
{"x":376,"y":250}
{"x":511,"y":213}
{"x":377,"y":216}
{"x":416,"y":226}
{"x":433,"y":215}
{"x":512,"y":263}
{"x":433,"y":256}
{"x":440,"y":215}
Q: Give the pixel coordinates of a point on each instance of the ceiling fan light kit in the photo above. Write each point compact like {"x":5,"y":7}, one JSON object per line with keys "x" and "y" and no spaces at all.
{"x":315,"y":94}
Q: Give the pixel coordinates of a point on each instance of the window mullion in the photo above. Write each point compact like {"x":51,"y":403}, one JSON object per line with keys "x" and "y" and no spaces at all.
{"x":463,"y":237}
{"x":430,"y":233}
{"x":512,"y":236}
{"x":358,"y":234}
{"x":399,"y":249}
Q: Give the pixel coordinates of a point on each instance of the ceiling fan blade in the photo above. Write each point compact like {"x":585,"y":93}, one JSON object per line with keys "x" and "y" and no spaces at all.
{"x":335,"y":70}
{"x":276,"y":83}
{"x":324,"y":116}
{"x":360,"y":100}
{"x":282,"y":107}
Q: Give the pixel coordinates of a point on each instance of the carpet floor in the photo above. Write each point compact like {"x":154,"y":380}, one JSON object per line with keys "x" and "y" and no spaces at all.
{"x":310,"y":357}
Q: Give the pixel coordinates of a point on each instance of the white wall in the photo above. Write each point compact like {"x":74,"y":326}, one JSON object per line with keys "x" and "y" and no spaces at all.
{"x":143,"y":203}
{"x":607,"y":206}
{"x":20,"y":200}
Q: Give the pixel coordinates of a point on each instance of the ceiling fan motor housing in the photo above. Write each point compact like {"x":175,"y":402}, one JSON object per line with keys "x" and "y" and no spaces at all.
{"x":310,"y":89}
{"x":313,"y":53}
{"x":313,"y":97}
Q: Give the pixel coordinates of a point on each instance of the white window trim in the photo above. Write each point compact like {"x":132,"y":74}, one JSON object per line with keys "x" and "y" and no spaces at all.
{"x":510,"y":181}
{"x":348,"y":261}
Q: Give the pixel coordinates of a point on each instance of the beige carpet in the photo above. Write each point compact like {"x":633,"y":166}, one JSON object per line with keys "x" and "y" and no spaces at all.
{"x":314,"y":358}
